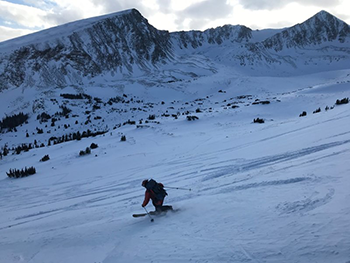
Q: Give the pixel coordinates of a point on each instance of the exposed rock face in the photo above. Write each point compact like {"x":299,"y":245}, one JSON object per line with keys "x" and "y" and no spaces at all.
{"x":323,"y":27}
{"x":125,"y":42}
{"x":217,"y":36}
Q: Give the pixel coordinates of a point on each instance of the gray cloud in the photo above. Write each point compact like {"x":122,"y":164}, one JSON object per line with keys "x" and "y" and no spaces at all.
{"x":276,"y":4}
{"x":209,"y":9}
{"x":110,"y":6}
{"x":63,"y":16}
{"x":8,"y":33}
{"x":165,"y":7}
{"x":203,"y":12}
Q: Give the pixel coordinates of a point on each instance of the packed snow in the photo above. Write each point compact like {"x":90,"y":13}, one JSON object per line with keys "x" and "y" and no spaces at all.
{"x":271,"y":192}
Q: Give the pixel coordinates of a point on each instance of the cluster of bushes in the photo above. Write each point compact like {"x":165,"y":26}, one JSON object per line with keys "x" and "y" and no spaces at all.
{"x":152,"y":117}
{"x":338,"y":102}
{"x":129,"y":122}
{"x":13,"y":121}
{"x":88,"y":149}
{"x":192,"y":118}
{"x":317,"y":111}
{"x":93,"y":146}
{"x":263,"y":102}
{"x":342,"y":101}
{"x":303,"y":114}
{"x":79,"y":96}
{"x":258,"y":120}
{"x":24,"y":147}
{"x":74,"y":136}
{"x":14,"y":173}
{"x":45,"y":158}
{"x":43,"y":117}
{"x":4,"y":151}
{"x":65,"y":111}
{"x":115,"y":100}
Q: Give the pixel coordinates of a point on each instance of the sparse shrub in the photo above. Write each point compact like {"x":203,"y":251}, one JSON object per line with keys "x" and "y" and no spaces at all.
{"x":23,"y":147}
{"x":79,"y":96}
{"x":98,"y":100}
{"x":45,"y":158}
{"x":39,"y":131}
{"x":123,"y":138}
{"x":43,"y":117}
{"x":14,"y":173}
{"x":258,"y":120}
{"x":93,"y":146}
{"x":342,"y":101}
{"x":5,"y":151}
{"x":65,"y":111}
{"x":115,"y":100}
{"x":96,"y":107}
{"x":87,"y":151}
{"x":129,"y":122}
{"x":152,"y":117}
{"x":317,"y":111}
{"x":192,"y":118}
{"x":303,"y":114}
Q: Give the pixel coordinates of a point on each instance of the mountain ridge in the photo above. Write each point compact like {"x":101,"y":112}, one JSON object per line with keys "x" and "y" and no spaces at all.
{"x":124,"y":44}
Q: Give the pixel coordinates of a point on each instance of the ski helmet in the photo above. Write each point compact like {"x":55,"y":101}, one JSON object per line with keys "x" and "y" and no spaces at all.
{"x":144,"y":182}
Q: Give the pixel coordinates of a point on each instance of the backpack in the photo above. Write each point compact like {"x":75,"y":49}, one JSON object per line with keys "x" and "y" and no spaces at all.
{"x":157,"y":189}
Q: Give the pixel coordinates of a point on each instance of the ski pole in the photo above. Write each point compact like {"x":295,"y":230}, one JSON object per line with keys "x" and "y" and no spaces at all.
{"x":178,"y":188}
{"x":148,"y":214}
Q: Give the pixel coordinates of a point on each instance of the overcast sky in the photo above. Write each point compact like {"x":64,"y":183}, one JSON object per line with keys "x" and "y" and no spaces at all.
{"x":20,"y":17}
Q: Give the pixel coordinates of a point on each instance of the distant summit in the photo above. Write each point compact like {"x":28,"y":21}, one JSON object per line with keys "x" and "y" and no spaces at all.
{"x":322,"y":27}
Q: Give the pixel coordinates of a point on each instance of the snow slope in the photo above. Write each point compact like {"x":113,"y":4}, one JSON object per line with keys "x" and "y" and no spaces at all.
{"x":272,"y":192}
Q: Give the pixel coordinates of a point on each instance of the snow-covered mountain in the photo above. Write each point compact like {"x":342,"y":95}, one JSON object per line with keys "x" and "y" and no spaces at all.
{"x":124,"y":44}
{"x":67,"y":54}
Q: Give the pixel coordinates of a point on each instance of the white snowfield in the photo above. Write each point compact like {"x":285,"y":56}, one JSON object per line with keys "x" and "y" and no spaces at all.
{"x":271,"y":192}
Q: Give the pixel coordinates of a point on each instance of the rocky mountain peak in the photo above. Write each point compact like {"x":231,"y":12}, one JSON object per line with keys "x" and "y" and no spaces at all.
{"x":322,"y":27}
{"x":115,"y":43}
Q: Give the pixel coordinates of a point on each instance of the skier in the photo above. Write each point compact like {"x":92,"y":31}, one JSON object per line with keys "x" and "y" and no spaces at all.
{"x":156,"y":192}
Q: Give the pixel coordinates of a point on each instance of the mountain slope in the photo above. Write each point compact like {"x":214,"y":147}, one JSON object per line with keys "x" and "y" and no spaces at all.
{"x":276,"y":192}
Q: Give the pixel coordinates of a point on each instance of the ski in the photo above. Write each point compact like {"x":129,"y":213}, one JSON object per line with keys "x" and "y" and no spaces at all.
{"x":144,"y":214}
{"x":154,"y":213}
